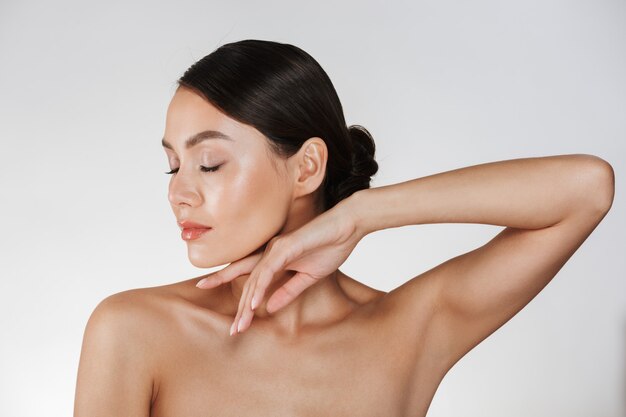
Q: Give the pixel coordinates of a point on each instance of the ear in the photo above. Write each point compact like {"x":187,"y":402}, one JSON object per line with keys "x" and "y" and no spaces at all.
{"x":310,"y":166}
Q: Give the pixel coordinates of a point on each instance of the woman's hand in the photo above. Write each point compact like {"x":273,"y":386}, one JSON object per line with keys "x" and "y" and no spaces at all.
{"x":314,"y":251}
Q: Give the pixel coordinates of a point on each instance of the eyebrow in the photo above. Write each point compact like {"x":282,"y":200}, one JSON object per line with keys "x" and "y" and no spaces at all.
{"x":199,"y":137}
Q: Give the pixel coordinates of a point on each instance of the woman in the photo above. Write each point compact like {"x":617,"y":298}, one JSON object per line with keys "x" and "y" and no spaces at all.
{"x":267,"y":177}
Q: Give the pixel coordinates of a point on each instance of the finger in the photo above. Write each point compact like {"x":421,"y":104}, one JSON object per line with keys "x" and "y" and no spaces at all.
{"x":236,"y":323}
{"x":264,"y":271}
{"x":257,"y":289}
{"x":265,"y":279}
{"x":267,"y":270}
{"x":232,"y":271}
{"x":257,"y":296}
{"x":210,"y":281}
{"x":288,"y":292}
{"x":262,"y":274}
{"x":233,"y":327}
{"x":248,"y":313}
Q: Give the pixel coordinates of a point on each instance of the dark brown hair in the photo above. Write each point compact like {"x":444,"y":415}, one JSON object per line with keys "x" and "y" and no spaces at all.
{"x":286,"y":95}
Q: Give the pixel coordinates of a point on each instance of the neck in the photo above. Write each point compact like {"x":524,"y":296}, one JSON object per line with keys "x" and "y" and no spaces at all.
{"x":320,"y":304}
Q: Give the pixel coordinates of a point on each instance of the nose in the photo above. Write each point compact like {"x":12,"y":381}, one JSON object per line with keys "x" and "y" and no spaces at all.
{"x":183,"y":191}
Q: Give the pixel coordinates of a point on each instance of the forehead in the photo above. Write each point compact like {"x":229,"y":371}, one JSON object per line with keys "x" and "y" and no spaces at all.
{"x":188,"y":113}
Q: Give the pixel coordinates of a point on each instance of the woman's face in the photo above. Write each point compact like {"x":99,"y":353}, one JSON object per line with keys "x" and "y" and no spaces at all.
{"x":245,"y":201}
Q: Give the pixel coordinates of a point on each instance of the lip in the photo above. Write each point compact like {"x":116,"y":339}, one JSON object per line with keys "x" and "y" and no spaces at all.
{"x":188,"y":224}
{"x":193,"y":233}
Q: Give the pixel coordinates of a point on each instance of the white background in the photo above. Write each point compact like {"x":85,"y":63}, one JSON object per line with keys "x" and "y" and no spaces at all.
{"x":83,"y":92}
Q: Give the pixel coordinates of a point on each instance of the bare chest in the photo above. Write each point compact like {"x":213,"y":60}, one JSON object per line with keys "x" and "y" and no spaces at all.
{"x":356,"y":370}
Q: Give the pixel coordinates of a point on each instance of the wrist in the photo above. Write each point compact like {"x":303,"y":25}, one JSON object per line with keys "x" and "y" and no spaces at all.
{"x":355,"y":206}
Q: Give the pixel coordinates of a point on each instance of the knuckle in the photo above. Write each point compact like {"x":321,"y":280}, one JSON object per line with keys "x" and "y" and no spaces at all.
{"x":265,"y":275}
{"x":283,"y":242}
{"x":289,"y":290}
{"x":277,"y":243}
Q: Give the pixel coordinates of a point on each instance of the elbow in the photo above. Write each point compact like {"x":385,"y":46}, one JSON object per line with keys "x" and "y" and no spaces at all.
{"x":601,"y":184}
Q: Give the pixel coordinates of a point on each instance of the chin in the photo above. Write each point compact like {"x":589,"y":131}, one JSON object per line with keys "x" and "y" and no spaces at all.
{"x":208,"y":257}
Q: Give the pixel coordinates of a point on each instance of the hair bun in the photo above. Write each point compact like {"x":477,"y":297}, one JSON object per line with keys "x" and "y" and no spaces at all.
{"x":363,"y":166}
{"x":363,"y":156}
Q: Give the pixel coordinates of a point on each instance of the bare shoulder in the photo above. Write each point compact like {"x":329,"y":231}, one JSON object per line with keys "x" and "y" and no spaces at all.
{"x":136,"y":303}
{"x":118,"y":355}
{"x":152,"y":304}
{"x":142,"y":314}
{"x":131,"y":317}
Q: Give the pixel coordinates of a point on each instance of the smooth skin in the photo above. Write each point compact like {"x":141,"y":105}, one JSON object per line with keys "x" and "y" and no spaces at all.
{"x":322,"y":343}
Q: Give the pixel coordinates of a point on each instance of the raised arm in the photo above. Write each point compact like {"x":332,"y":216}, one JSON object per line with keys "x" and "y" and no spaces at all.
{"x":549,"y":206}
{"x":114,"y":376}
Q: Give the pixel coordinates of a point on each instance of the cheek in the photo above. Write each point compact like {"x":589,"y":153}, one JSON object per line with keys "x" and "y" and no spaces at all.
{"x":249,"y":211}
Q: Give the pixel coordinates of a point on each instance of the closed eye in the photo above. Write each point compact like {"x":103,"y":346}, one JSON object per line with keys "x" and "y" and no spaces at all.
{"x":202,"y":168}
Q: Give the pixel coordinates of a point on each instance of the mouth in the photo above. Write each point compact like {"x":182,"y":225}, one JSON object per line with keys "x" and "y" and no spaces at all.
{"x":188,"y":224}
{"x":192,"y":233}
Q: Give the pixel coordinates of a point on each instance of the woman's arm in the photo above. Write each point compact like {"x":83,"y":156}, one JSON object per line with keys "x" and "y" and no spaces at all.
{"x":549,"y":206}
{"x":525,"y":193}
{"x":114,"y":376}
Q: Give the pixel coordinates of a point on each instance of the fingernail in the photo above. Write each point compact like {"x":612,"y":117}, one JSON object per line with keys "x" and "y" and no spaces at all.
{"x":239,"y":325}
{"x":232,"y":329}
{"x":253,"y":303}
{"x":209,"y":281}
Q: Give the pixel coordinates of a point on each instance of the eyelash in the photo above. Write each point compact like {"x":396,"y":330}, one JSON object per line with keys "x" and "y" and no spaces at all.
{"x":202,"y":168}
